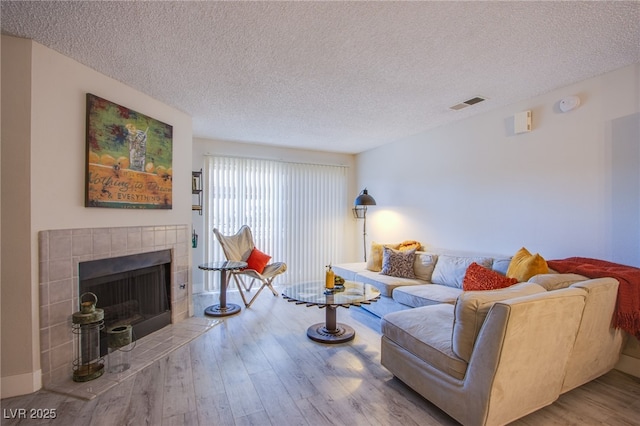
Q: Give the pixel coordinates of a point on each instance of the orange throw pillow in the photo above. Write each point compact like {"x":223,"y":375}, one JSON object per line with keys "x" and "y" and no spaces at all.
{"x":257,"y":260}
{"x":478,"y":277}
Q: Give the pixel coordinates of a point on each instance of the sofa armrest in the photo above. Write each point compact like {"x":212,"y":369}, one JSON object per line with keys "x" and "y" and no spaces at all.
{"x":556,"y":281}
{"x":520,"y":357}
{"x":598,"y":344}
{"x":471,"y":309}
{"x":348,"y":271}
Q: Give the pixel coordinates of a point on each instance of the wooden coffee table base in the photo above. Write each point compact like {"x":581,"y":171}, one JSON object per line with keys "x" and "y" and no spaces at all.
{"x":331,"y":331}
{"x":315,"y":294}
{"x":342,"y":333}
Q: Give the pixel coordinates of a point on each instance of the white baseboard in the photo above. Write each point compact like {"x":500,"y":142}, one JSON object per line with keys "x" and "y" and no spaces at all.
{"x":22,"y":384}
{"x":628,"y":364}
{"x":197,"y":288}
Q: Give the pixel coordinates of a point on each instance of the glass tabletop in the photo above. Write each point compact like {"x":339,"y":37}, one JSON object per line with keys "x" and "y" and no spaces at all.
{"x":315,"y":293}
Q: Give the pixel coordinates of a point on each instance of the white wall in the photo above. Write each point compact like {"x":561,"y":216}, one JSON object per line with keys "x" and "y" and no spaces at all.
{"x":203,"y":147}
{"x":570,"y":187}
{"x":59,"y":87}
{"x":47,"y":184}
{"x":18,"y":363}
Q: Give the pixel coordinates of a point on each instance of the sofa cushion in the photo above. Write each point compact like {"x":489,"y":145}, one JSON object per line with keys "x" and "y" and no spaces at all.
{"x":398,"y":263}
{"x":525,"y":265}
{"x":426,"y":294}
{"x":450,"y":270}
{"x":385,"y":283}
{"x":556,"y":281}
{"x":375,"y":256}
{"x":423,"y":265}
{"x":471,"y":309}
{"x":480,"y":278}
{"x":501,"y":265}
{"x":426,"y":333}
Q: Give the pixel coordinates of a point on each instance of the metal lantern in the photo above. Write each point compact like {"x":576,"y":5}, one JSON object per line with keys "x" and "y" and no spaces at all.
{"x":87,"y":323}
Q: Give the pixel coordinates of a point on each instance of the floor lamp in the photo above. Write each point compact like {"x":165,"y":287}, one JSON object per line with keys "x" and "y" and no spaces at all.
{"x":360,"y":212}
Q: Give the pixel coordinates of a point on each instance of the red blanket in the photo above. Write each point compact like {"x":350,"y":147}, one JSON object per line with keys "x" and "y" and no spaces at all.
{"x":627,"y":313}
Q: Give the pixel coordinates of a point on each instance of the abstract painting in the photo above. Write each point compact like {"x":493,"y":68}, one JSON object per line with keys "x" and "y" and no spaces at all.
{"x":129,"y":158}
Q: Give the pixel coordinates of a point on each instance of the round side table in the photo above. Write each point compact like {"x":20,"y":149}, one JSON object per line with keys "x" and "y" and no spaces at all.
{"x":223,"y":308}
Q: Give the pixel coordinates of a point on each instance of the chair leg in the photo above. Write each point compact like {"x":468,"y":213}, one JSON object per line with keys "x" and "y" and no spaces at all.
{"x":244,"y":284}
{"x":250,"y":285}
{"x":254,"y":296}
{"x":266,"y":283}
{"x":270,"y":285}
{"x":242,"y":287}
{"x":241,"y":280}
{"x":239,"y":284}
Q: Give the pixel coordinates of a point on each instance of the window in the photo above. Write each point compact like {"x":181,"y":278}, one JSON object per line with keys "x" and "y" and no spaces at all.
{"x":297,"y":212}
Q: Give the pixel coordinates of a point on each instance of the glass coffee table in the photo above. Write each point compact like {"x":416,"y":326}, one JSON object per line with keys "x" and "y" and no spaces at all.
{"x":315,"y":294}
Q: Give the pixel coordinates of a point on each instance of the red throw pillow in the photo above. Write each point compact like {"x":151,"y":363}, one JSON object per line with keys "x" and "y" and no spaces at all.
{"x":478,"y":277}
{"x":257,"y":260}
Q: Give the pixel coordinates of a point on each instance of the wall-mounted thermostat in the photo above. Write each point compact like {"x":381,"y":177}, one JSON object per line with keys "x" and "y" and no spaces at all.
{"x":522,"y":122}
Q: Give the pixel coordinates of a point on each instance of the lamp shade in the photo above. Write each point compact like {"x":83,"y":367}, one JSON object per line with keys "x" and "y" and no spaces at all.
{"x":364,"y":199}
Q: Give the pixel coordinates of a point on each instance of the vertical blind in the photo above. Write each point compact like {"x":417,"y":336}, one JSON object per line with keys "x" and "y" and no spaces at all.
{"x":296,"y":212}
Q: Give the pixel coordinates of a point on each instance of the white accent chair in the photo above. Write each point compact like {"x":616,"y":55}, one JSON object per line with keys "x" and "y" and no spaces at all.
{"x":238,"y":247}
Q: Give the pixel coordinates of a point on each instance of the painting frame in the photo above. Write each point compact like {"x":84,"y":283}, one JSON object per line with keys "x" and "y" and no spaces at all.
{"x":129,"y":158}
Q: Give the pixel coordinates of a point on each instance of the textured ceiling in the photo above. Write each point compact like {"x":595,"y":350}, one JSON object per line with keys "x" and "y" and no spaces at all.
{"x":334,"y":76}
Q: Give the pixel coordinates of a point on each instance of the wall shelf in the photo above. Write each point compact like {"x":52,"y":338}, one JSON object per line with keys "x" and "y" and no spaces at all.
{"x":196,"y":191}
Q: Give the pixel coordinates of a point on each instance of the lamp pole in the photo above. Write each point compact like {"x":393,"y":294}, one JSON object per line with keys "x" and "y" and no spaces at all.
{"x":364,"y":232}
{"x":360,"y":212}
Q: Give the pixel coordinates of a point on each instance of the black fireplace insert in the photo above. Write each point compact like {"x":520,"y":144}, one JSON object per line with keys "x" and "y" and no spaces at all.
{"x":132,"y":290}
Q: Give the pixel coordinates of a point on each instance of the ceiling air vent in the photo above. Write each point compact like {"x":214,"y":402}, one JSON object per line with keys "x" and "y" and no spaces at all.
{"x":467,"y":103}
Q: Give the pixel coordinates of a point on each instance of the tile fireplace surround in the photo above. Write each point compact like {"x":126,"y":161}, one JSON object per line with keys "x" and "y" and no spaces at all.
{"x":60,"y":251}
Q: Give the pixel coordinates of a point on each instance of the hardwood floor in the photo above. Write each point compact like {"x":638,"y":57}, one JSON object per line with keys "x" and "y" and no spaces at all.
{"x":259,"y":368}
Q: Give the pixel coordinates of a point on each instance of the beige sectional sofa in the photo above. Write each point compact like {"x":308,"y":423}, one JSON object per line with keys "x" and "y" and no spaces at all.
{"x":491,"y":357}
{"x":445,"y":268}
